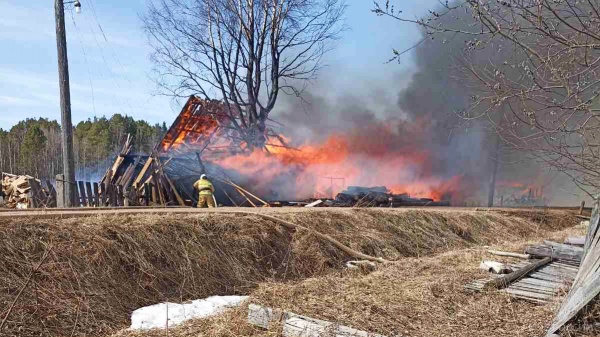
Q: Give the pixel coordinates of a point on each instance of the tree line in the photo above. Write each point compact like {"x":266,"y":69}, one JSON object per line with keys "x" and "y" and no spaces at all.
{"x":33,"y":146}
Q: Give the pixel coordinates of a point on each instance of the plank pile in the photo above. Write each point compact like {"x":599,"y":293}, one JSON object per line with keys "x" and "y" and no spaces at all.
{"x":544,"y":284}
{"x":26,"y":192}
{"x":551,"y":270}
{"x":357,"y":196}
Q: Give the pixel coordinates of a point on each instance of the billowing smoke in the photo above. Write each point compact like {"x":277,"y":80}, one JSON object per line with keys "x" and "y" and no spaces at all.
{"x":407,"y":131}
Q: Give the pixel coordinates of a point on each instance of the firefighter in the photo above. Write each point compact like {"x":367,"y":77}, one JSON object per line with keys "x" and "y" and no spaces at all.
{"x":205,"y":192}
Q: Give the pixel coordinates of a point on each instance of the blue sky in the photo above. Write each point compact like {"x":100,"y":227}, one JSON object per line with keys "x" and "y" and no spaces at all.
{"x":113,"y":74}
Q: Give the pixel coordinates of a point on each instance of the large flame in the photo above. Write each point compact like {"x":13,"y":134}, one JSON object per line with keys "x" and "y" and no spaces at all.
{"x":368,"y":157}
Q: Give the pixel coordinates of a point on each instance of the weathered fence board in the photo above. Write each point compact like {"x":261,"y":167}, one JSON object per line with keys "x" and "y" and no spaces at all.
{"x":586,"y":286}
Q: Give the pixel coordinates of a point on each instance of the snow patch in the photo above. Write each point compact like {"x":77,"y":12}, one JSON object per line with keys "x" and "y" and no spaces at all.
{"x":155,"y":316}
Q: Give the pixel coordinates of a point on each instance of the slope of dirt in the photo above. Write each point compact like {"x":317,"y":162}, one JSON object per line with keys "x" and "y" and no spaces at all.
{"x":99,"y":269}
{"x":418,"y":297}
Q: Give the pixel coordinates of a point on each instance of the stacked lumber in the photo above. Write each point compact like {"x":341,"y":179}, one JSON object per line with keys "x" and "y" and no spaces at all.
{"x":23,"y":191}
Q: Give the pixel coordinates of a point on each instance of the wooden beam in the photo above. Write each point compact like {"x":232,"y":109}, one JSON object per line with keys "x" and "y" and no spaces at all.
{"x":555,"y":252}
{"x":506,"y":280}
{"x":575,"y":241}
{"x":245,"y":196}
{"x":509,"y":254}
{"x":142,"y":173}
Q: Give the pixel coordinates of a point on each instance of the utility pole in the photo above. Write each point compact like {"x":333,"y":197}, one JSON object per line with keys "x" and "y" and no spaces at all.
{"x":65,"y":105}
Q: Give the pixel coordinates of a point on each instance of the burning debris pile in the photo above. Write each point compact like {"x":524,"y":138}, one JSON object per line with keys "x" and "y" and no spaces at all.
{"x":200,"y":135}
{"x":356,"y":196}
{"x":25,"y":191}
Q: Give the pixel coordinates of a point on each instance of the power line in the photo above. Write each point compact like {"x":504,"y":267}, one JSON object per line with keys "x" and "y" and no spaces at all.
{"x":108,"y":43}
{"x":86,"y":63}
{"x":106,"y":64}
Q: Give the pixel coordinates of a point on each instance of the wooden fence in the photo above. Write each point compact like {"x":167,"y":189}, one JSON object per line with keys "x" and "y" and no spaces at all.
{"x":93,"y":194}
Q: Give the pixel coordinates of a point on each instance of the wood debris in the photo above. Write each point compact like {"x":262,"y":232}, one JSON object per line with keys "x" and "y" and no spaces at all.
{"x":23,"y":191}
{"x":294,"y":325}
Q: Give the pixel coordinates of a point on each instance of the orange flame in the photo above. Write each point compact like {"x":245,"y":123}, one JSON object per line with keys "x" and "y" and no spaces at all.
{"x":342,"y":160}
{"x":389,"y":153}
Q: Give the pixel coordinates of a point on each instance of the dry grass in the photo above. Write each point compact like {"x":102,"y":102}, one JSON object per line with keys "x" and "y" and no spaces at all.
{"x":414,"y":297}
{"x":586,"y":323}
{"x":102,"y":268}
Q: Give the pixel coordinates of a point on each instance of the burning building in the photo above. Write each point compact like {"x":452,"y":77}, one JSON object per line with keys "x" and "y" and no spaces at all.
{"x":204,"y":138}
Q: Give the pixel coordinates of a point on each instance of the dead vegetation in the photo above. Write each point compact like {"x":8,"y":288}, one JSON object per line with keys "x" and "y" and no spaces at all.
{"x":415,"y":297}
{"x":99,"y":269}
{"x":586,"y":323}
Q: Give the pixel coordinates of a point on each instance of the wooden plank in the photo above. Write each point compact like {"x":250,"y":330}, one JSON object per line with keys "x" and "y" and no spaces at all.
{"x":34,"y":193}
{"x":560,"y":272}
{"x":158,"y":188}
{"x":509,"y":254}
{"x":111,"y":195}
{"x":534,"y":287}
{"x":293,"y":325}
{"x":563,"y":246}
{"x":548,"y":284}
{"x":142,"y":173}
{"x":177,"y":196}
{"x":314,"y":203}
{"x":89,"y":193}
{"x":97,"y":201}
{"x":528,"y":294}
{"x":566,"y":266}
{"x":554,"y":252}
{"x":578,"y":241}
{"x":84,"y":201}
{"x":547,"y":277}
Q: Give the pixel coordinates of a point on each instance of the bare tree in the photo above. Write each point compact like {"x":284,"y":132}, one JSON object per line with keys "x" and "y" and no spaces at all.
{"x":542,"y":96}
{"x":243,"y":52}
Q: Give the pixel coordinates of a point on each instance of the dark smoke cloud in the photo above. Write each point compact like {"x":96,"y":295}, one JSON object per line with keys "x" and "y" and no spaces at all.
{"x":423,"y":102}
